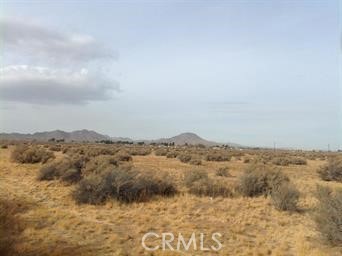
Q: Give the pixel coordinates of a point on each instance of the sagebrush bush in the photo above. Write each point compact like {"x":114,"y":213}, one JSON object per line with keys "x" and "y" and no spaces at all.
{"x":328,"y":214}
{"x":123,"y":156}
{"x":172,"y":154}
{"x":140,"y":151}
{"x":199,"y":183}
{"x":209,"y":187}
{"x":194,"y":175}
{"x":4,"y":146}
{"x":285,"y":197}
{"x":31,"y":154}
{"x":260,"y":179}
{"x":217,"y":156}
{"x":67,"y":168}
{"x":123,"y":185}
{"x":100,"y":164}
{"x":195,"y":161}
{"x":332,"y":171}
{"x":184,"y":158}
{"x":223,"y":172}
{"x":282,"y":161}
{"x":161,"y":152}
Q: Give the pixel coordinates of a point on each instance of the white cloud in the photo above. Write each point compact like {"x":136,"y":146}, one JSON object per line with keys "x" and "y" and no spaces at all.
{"x":38,"y":41}
{"x":41,"y":85}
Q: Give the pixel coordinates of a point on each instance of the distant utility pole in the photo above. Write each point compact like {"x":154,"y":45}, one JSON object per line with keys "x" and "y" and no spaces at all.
{"x":274,"y":146}
{"x":328,"y":147}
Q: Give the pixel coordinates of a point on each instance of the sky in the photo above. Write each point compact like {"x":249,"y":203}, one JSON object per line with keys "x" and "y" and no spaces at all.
{"x":248,"y":72}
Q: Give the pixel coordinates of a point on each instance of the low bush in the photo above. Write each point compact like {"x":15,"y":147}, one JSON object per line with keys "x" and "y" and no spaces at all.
{"x":4,"y":146}
{"x":223,"y":172}
{"x":123,"y":156}
{"x":122,"y":185}
{"x":194,"y":175}
{"x":67,"y":168}
{"x":195,"y":161}
{"x":332,"y":171}
{"x":100,"y":164}
{"x":217,"y":156}
{"x":328,"y":215}
{"x":172,"y":154}
{"x":31,"y":154}
{"x":140,"y":151}
{"x":209,"y":187}
{"x":282,"y":161}
{"x":260,"y":179}
{"x":184,"y":158}
{"x":161,"y":152}
{"x":198,"y":183}
{"x":285,"y":197}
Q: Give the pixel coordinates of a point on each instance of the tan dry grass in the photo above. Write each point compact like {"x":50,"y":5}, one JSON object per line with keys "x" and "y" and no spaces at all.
{"x":250,"y":226}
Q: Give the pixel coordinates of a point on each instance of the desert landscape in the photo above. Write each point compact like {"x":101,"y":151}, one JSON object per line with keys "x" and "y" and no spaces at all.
{"x":170,"y":127}
{"x":263,"y":202}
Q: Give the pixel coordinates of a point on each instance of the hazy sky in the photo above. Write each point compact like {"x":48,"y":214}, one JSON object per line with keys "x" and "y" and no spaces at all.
{"x":249,"y":72}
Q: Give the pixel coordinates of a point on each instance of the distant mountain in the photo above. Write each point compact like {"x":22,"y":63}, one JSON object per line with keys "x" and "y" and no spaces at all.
{"x":81,"y":135}
{"x":92,"y":136}
{"x":187,"y":138}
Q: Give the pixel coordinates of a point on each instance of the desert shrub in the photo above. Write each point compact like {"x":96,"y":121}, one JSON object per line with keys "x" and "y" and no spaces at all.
{"x":4,"y":146}
{"x":194,"y":175}
{"x":172,"y":154}
{"x":71,"y":175}
{"x":67,"y":168}
{"x":123,"y":156}
{"x":55,"y":147}
{"x":26,"y":154}
{"x":298,"y":161}
{"x":246,"y":160}
{"x":217,"y":156}
{"x":332,"y":171}
{"x":140,"y":151}
{"x":198,"y":183}
{"x":195,"y":161}
{"x":184,"y":158}
{"x":328,"y":215}
{"x":223,"y":172}
{"x":282,"y":161}
{"x":92,"y":190}
{"x":259,"y":179}
{"x":122,"y":185}
{"x":161,"y":152}
{"x":209,"y":187}
{"x":100,"y":164}
{"x":285,"y":197}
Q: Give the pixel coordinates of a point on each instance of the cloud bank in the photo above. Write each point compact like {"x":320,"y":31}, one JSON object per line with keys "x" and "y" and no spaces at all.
{"x":32,"y":38}
{"x":44,"y":81}
{"x":40,"y":85}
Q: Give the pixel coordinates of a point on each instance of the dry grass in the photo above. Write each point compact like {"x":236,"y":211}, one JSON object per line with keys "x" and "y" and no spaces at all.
{"x":250,"y":226}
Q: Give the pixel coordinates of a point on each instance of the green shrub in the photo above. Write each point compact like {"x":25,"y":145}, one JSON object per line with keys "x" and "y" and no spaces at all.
{"x":328,"y":215}
{"x":332,"y":171}
{"x":285,"y":197}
